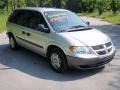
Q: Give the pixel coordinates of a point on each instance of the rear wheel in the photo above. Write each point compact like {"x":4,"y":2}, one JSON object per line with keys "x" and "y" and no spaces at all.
{"x":58,"y":60}
{"x":12,"y":42}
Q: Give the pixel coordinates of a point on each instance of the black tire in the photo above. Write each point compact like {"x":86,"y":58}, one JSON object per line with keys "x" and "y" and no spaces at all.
{"x":62,"y":60}
{"x":12,"y":43}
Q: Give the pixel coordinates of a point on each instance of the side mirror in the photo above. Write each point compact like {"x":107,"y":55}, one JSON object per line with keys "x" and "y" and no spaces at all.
{"x":87,"y":22}
{"x":42,"y":28}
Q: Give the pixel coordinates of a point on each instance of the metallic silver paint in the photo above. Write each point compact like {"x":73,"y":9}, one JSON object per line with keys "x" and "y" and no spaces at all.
{"x":62,"y":40}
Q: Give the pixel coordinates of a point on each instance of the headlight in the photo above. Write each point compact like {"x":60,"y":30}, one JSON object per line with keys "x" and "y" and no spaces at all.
{"x":80,"y":50}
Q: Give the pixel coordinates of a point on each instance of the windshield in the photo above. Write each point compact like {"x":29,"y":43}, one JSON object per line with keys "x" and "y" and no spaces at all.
{"x":64,"y":20}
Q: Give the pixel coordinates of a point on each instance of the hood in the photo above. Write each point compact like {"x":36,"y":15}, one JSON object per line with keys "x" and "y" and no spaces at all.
{"x":89,"y":37}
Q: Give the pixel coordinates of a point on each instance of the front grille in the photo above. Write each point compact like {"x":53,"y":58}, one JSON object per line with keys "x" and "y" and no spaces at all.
{"x":108,"y":44}
{"x":102,"y":52}
{"x":103,"y":49}
{"x":110,"y":49}
{"x":98,"y":47}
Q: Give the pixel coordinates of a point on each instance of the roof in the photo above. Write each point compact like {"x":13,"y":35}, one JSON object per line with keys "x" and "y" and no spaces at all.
{"x":41,"y":9}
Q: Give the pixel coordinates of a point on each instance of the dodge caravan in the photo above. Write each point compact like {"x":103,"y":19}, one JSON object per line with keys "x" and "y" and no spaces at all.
{"x":61,"y":36}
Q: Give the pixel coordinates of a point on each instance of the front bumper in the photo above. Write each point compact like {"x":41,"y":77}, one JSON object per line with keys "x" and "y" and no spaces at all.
{"x":89,"y":63}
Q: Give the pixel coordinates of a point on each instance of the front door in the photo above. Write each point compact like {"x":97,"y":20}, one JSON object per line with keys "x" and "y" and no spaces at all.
{"x":37,"y":39}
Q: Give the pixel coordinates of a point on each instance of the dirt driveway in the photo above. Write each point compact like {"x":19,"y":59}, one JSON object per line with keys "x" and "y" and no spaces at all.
{"x":24,"y":70}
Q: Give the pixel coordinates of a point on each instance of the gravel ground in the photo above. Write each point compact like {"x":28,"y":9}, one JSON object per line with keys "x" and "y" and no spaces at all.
{"x":24,"y":70}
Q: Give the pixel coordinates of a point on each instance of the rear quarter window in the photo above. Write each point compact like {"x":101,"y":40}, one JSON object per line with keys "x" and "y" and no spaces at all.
{"x":14,"y":17}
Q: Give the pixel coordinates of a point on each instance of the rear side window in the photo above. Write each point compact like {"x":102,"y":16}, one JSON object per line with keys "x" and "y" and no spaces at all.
{"x":20,"y":17}
{"x":24,"y":17}
{"x":14,"y":16}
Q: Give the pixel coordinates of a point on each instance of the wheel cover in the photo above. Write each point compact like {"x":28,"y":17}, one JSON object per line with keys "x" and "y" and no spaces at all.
{"x":12,"y":43}
{"x":55,"y":61}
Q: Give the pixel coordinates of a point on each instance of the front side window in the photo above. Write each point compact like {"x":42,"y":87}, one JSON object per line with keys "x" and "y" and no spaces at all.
{"x":63,"y":20}
{"x":35,"y":20}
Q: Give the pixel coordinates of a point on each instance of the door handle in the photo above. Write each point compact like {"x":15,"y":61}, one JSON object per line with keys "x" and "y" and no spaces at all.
{"x":28,"y":34}
{"x":23,"y":32}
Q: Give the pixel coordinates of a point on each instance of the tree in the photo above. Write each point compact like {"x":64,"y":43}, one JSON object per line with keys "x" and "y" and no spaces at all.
{"x":101,"y":6}
{"x":57,"y":3}
{"x":18,"y":3}
{"x":39,"y":3}
{"x":30,"y":3}
{"x":72,"y":5}
{"x":114,"y":6}
{"x":3,"y":4}
{"x":91,"y":5}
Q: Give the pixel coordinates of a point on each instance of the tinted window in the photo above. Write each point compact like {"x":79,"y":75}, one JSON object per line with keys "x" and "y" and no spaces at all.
{"x":27,"y":18}
{"x":14,"y":16}
{"x":36,"y":18}
{"x":20,"y":17}
{"x":24,"y":17}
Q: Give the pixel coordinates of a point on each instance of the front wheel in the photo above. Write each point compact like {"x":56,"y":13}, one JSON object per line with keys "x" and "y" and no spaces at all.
{"x":58,"y":60}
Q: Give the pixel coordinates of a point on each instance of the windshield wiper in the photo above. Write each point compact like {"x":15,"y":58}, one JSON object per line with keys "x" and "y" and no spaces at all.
{"x":76,"y":28}
{"x":65,"y":30}
{"x":80,"y":29}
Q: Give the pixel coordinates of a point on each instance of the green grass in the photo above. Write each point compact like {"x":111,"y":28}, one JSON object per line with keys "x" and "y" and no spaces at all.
{"x":3,"y":18}
{"x":107,"y":16}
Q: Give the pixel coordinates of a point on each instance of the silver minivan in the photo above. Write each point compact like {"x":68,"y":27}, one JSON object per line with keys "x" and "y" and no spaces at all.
{"x":61,"y":36}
